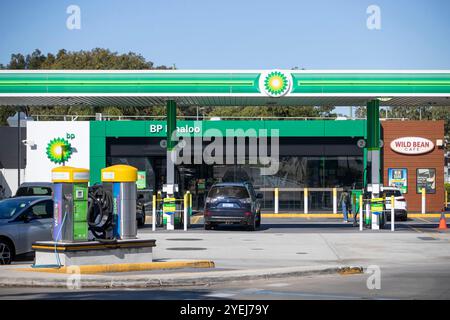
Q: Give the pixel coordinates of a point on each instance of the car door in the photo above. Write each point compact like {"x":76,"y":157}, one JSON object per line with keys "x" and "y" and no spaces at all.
{"x":39,"y":228}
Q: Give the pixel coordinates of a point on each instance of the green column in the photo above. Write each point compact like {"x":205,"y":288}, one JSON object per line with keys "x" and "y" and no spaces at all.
{"x":171,"y":131}
{"x":171,"y":123}
{"x":373,"y":125}
{"x":373,"y":141}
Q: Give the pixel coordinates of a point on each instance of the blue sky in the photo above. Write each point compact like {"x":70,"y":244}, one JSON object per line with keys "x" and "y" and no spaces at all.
{"x":243,"y":34}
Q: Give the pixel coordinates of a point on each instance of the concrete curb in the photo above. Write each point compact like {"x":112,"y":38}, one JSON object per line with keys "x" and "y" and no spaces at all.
{"x":126,"y":267}
{"x":163,"y":280}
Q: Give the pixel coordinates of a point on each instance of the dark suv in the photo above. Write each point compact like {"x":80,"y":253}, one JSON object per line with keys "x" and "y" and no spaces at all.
{"x":233,"y":203}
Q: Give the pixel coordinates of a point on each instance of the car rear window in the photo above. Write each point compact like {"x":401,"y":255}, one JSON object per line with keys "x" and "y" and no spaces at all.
{"x":34,"y":191}
{"x":390,"y":193}
{"x":231,"y":192}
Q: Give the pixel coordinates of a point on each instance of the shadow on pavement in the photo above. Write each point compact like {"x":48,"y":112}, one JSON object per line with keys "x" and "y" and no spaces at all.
{"x":107,"y":294}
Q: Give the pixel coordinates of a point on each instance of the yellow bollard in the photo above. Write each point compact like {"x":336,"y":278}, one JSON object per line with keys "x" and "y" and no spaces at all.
{"x":305,"y":200}
{"x":446,"y":202}
{"x":392,"y":213}
{"x":275,"y":200}
{"x":335,"y":201}
{"x":361,"y":213}
{"x":154,"y":212}
{"x":424,"y":210}
{"x":185,"y":211}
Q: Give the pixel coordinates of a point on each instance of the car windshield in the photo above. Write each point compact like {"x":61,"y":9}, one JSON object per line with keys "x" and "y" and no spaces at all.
{"x":10,"y":207}
{"x":228,"y":192}
{"x":390,"y":193}
{"x":33,"y":191}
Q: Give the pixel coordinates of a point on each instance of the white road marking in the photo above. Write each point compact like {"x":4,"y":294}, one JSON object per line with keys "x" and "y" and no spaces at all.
{"x":220,"y":295}
{"x":278,"y":285}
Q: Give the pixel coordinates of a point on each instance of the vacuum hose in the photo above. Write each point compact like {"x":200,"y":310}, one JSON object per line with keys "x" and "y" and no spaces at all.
{"x":100,"y":213}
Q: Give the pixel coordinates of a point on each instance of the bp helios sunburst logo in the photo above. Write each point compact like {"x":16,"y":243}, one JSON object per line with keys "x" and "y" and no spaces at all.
{"x":275,"y":83}
{"x":59,"y":150}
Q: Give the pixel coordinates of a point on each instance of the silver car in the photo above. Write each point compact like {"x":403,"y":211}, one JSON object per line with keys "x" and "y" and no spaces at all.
{"x":23,"y":221}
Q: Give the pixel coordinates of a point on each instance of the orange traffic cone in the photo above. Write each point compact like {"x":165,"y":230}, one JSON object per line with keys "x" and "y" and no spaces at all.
{"x":442,"y":222}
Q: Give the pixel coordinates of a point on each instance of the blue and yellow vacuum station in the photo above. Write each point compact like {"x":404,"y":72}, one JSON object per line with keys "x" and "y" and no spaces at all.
{"x":120,"y":182}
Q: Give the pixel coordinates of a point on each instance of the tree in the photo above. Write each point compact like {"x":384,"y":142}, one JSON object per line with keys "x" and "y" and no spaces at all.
{"x":415,"y":113}
{"x":95,"y":59}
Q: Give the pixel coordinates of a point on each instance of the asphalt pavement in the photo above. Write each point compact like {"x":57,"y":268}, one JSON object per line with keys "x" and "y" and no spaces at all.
{"x":414,"y":262}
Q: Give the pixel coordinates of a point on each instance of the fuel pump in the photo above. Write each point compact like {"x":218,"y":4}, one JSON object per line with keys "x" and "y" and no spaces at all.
{"x":120,"y":182}
{"x":377,"y":206}
{"x":70,"y":200}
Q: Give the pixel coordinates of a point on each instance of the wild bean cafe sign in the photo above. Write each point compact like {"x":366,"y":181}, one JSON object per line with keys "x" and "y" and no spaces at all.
{"x":412,"y":145}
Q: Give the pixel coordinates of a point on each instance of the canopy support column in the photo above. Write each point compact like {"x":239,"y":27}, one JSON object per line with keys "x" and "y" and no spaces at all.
{"x":373,"y":142}
{"x":171,"y":143}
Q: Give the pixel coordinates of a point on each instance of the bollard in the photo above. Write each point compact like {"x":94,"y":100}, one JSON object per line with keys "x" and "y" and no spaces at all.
{"x":306,"y":199}
{"x":189,"y":208}
{"x":335,"y":206}
{"x":392,"y":213}
{"x":368,"y":217}
{"x":185,"y":211}
{"x":275,"y":199}
{"x":424,"y":209}
{"x":154,"y":213}
{"x":361,"y":213}
{"x":446,"y":202}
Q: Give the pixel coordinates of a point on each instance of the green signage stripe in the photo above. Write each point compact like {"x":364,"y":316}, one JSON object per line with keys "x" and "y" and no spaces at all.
{"x":117,"y":83}
{"x":131,"y":83}
{"x":374,"y":82}
{"x":355,"y":83}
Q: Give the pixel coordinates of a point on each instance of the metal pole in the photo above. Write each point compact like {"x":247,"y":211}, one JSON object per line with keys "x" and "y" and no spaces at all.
{"x":154,"y":213}
{"x":185,"y":211}
{"x":424,"y":201}
{"x":392,"y":213}
{"x":361,"y":213}
{"x":171,"y":131}
{"x":275,"y":199}
{"x":305,"y":199}
{"x":19,"y":138}
{"x":335,"y":204}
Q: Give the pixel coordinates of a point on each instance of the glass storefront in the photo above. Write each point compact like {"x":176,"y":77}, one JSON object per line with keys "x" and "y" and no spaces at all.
{"x":320,"y":173}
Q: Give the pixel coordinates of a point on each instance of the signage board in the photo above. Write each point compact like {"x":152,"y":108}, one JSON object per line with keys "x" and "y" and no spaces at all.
{"x":426,"y":178}
{"x":398,"y":178}
{"x":412,"y":145}
{"x":141,"y":181}
{"x":169,"y":206}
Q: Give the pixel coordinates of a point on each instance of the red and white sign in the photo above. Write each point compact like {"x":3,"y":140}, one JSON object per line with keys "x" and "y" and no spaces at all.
{"x":412,"y":145}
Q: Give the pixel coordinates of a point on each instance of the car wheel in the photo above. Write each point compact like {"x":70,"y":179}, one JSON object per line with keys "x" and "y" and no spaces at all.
{"x":6,"y":252}
{"x":208,"y":226}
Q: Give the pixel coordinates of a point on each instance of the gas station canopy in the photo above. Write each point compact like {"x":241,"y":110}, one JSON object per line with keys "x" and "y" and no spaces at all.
{"x":223,"y":87}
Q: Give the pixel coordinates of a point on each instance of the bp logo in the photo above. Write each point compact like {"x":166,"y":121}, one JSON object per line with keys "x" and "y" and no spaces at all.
{"x":59,"y":150}
{"x":275,"y":83}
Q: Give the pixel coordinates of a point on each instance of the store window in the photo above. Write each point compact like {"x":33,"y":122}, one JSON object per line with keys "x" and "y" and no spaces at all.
{"x":426,"y":179}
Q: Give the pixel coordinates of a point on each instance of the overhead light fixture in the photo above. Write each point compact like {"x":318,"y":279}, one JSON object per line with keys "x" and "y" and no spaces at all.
{"x":386,"y":99}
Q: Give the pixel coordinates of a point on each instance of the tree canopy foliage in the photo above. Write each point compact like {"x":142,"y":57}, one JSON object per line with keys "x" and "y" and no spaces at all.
{"x":414,"y":113}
